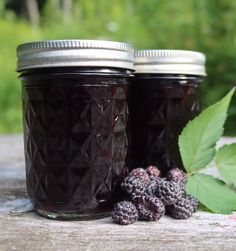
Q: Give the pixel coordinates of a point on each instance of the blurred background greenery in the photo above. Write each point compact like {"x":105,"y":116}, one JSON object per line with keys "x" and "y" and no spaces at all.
{"x":203,"y":25}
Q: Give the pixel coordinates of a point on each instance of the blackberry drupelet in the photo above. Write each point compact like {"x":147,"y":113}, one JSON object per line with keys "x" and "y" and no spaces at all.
{"x":125,"y":213}
{"x":169,"y":192}
{"x":150,"y":209}
{"x":134,"y":186}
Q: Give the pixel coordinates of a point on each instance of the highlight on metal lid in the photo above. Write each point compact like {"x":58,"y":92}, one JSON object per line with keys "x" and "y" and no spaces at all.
{"x":170,"y":62}
{"x":70,"y":53}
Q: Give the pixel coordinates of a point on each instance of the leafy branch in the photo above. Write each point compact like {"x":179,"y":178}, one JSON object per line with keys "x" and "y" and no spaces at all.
{"x":197,"y":145}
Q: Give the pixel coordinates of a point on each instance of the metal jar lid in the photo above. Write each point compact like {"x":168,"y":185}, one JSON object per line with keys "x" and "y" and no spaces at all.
{"x":170,"y":62}
{"x":69,"y":53}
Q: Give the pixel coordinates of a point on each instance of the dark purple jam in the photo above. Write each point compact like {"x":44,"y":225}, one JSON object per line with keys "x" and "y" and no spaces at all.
{"x":75,"y":138}
{"x":160,"y":107}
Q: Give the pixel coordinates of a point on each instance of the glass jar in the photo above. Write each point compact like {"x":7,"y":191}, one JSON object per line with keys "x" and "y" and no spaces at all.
{"x":75,"y":115}
{"x":164,"y":97}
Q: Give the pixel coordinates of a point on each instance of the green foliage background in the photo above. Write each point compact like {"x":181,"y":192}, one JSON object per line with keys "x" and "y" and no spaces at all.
{"x":203,"y":25}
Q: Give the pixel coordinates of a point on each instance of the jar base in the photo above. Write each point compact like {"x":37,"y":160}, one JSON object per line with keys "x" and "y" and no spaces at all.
{"x":71,"y":216}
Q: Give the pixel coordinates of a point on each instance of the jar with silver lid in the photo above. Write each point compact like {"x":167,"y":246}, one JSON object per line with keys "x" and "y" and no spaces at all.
{"x":75,"y":113}
{"x":164,"y":97}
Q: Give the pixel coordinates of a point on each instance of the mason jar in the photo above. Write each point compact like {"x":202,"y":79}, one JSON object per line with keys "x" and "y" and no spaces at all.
{"x":164,"y":97}
{"x":74,"y":95}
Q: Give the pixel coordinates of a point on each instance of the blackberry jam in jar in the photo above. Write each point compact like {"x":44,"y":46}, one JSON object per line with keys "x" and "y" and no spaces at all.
{"x":74,"y":96}
{"x":164,"y":97}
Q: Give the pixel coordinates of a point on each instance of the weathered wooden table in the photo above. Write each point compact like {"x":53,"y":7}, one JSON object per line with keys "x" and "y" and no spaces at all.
{"x":22,"y":229}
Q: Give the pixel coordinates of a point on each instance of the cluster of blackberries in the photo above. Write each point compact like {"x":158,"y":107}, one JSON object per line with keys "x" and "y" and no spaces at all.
{"x":150,"y":196}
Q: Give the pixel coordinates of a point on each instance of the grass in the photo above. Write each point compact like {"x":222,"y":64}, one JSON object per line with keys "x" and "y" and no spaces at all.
{"x":12,"y":34}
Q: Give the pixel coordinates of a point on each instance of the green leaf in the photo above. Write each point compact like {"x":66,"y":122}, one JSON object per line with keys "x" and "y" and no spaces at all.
{"x":198,"y":139}
{"x":212,"y":193}
{"x":226,"y":163}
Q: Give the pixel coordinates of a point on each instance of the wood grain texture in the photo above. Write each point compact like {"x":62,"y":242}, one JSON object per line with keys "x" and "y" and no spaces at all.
{"x":20,"y":230}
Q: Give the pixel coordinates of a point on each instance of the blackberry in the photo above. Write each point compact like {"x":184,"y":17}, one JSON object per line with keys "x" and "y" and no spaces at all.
{"x":182,"y":209}
{"x":153,"y":171}
{"x":152,"y":186}
{"x":169,"y":192}
{"x":156,"y":179}
{"x":151,"y":208}
{"x":141,"y":173}
{"x":134,"y":186}
{"x":193,"y":201}
{"x":177,"y":175}
{"x":125,"y":213}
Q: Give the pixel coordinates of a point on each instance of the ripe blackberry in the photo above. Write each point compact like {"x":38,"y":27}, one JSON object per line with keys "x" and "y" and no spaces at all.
{"x":141,"y":173}
{"x":156,"y":179}
{"x":169,"y":192}
{"x":150,"y":209}
{"x":152,"y":186}
{"x":182,"y":209}
{"x":153,"y":171}
{"x":134,"y":186}
{"x":177,"y":175}
{"x":193,"y":201}
{"x":125,"y":213}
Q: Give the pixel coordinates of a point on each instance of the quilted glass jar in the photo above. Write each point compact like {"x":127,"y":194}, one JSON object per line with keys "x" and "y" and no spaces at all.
{"x":164,"y":97}
{"x":75,"y":114}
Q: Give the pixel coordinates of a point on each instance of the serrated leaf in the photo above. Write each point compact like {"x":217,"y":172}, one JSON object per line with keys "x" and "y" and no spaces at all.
{"x":198,"y":139}
{"x":226,"y":163}
{"x":212,"y":193}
